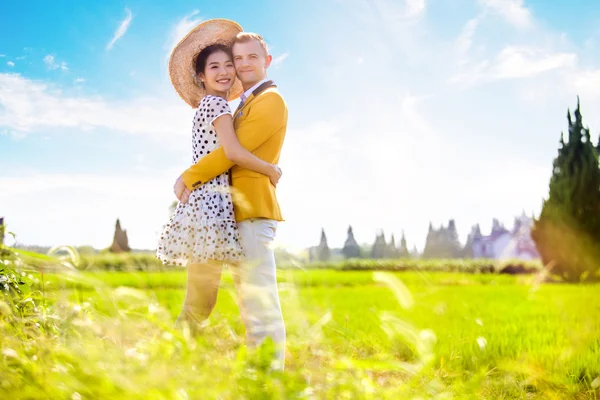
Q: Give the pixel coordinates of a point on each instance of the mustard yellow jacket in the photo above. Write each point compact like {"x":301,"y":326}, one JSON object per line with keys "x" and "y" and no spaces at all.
{"x":260,"y":125}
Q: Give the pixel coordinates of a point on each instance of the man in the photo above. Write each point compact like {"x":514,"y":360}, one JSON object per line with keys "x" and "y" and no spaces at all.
{"x":260,"y":124}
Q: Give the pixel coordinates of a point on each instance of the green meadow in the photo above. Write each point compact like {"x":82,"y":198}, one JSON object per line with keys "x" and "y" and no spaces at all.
{"x":351,"y":335}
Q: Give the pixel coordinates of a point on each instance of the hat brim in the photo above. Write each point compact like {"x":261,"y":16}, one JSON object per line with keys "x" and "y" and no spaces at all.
{"x":183,"y":57}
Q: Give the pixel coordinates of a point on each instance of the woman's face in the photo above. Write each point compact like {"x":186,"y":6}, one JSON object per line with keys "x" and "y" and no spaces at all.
{"x":219,"y":73}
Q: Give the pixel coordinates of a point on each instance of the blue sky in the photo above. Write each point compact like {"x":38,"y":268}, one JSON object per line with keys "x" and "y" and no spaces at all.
{"x":402,"y":112}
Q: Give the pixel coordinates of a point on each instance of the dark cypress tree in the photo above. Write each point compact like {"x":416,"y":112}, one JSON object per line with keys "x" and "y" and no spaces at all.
{"x":454,"y":248}
{"x":390,"y":250}
{"x":415,"y":253}
{"x":351,"y":248}
{"x":475,"y":234}
{"x":403,"y":250}
{"x":442,"y":243}
{"x":430,"y":243}
{"x":378,"y":249}
{"x":323,"y":251}
{"x":567,"y":233}
{"x":120,"y":241}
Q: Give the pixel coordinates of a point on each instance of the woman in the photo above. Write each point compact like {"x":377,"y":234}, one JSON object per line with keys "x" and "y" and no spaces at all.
{"x":202,"y":233}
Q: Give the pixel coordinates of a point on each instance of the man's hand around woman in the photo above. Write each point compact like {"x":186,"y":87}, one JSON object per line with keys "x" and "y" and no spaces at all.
{"x":275,"y":175}
{"x":181,"y":191}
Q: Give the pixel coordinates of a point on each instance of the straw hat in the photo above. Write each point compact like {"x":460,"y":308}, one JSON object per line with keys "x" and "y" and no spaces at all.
{"x":183,"y":58}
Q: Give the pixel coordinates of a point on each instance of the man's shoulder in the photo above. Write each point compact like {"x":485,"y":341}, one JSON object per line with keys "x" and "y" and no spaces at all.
{"x":272,"y":91}
{"x":271,"y":96}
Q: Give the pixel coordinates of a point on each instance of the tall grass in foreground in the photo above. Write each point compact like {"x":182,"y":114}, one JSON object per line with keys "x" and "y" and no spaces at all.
{"x":56,"y":348}
{"x":100,"y":339}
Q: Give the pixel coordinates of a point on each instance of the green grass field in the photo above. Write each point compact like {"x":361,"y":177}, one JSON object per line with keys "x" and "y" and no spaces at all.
{"x":351,"y":334}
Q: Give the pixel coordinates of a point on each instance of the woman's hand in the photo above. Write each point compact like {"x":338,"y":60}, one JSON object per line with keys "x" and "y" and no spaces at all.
{"x":275,"y":174}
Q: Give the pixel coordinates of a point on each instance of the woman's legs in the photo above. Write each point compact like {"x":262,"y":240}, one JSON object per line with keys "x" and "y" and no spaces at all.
{"x":201,"y":293}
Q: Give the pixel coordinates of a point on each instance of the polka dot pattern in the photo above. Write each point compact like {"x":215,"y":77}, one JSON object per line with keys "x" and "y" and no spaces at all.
{"x":204,"y":228}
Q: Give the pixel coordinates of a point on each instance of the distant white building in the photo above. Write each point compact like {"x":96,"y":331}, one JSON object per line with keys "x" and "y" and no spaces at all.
{"x":504,"y":244}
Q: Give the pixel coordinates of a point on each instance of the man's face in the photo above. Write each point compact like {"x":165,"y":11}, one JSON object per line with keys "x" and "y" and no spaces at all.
{"x":251,"y":62}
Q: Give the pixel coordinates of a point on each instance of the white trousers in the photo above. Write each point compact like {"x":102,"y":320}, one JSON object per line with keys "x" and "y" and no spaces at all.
{"x":256,"y":286}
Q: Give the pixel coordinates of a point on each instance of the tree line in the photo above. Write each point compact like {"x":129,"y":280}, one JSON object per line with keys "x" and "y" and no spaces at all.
{"x":566,"y":233}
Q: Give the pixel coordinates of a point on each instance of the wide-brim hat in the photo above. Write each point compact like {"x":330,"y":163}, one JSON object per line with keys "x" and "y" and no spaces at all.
{"x":182,"y":62}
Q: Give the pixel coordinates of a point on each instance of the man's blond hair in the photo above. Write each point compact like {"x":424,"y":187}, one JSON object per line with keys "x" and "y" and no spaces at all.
{"x":245,"y":37}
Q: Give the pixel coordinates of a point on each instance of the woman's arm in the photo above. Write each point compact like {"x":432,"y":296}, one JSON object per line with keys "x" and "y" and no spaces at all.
{"x":236,"y":153}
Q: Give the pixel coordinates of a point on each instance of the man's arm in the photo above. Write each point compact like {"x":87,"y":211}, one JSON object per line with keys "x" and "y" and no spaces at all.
{"x":267,"y":116}
{"x":236,"y":153}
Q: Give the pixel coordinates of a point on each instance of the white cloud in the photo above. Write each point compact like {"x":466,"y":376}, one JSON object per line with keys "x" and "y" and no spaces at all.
{"x":278,"y":61}
{"x":414,"y":7}
{"x":74,"y":202}
{"x":465,"y":39}
{"x":513,"y":62}
{"x":587,"y":81}
{"x":181,"y":29}
{"x":79,"y":80}
{"x":50,"y":61}
{"x":521,"y":62}
{"x":539,"y":51}
{"x":10,"y":64}
{"x":27,"y":105}
{"x":16,"y":136}
{"x":513,"y":11}
{"x":140,"y":161}
{"x":408,"y":10}
{"x":121,"y":30}
{"x":584,"y":83}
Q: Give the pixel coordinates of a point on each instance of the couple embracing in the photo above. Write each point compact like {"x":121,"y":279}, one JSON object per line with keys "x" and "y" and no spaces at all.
{"x":228,"y":210}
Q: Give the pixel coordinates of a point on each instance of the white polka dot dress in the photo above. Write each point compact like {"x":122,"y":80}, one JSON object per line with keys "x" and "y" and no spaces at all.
{"x":204,"y":228}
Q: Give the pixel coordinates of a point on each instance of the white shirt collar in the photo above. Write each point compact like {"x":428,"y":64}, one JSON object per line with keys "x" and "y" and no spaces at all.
{"x":248,"y":92}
